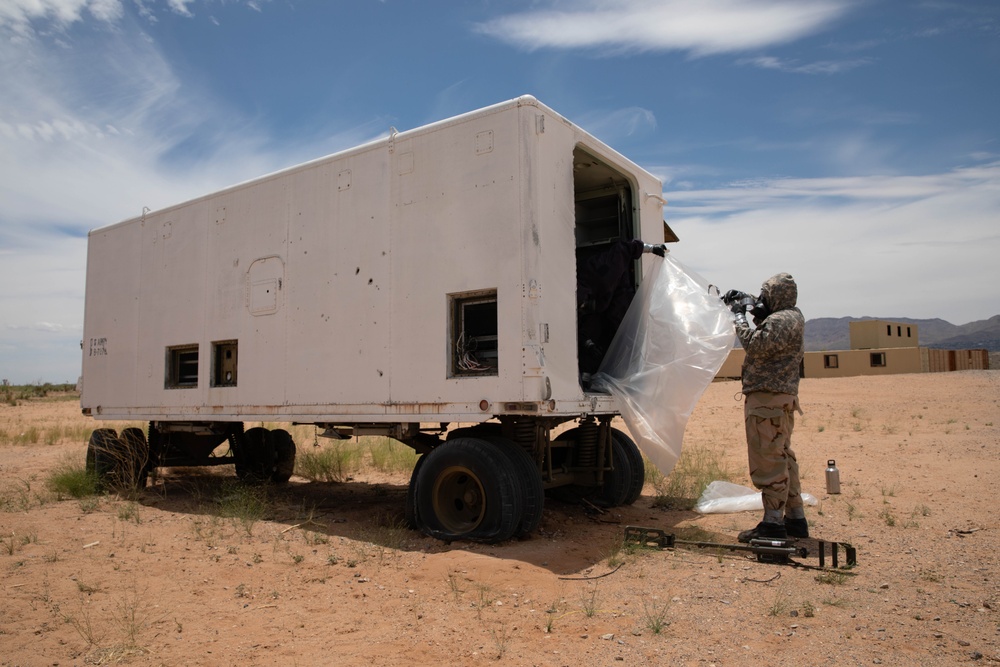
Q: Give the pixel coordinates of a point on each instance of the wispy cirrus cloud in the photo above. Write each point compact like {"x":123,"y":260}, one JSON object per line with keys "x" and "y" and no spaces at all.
{"x":795,"y":67}
{"x":19,"y":15}
{"x":27,"y":17}
{"x":984,"y":178}
{"x":698,"y":28}
{"x":880,"y":237}
{"x":615,"y":124}
{"x":103,"y":115}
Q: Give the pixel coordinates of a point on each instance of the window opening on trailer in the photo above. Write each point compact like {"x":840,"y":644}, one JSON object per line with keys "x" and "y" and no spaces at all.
{"x":182,"y":367}
{"x":224,"y":357}
{"x":474,"y":339}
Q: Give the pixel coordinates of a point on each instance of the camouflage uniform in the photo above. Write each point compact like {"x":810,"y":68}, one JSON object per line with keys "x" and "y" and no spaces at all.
{"x":774,"y":352}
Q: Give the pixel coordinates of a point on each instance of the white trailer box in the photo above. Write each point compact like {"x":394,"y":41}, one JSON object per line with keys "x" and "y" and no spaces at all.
{"x":422,"y":280}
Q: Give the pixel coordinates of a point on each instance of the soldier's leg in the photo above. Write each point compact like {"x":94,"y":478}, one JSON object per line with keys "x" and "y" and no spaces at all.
{"x":767,"y":431}
{"x":793,"y":505}
{"x":795,"y":516}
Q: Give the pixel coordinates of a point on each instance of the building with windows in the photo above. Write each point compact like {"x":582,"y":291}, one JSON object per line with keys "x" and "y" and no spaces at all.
{"x":878,"y":347}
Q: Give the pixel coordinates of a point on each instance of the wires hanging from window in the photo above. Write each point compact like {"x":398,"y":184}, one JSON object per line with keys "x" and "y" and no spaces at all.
{"x":466,"y":357}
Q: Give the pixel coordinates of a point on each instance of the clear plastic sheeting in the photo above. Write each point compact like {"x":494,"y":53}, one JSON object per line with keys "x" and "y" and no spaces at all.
{"x":669,"y":347}
{"x":721,"y":497}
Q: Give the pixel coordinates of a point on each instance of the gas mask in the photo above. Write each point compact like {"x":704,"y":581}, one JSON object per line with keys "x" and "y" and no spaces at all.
{"x":760,"y":310}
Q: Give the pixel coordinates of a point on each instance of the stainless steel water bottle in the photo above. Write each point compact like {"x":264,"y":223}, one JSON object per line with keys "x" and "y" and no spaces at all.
{"x":832,"y":477}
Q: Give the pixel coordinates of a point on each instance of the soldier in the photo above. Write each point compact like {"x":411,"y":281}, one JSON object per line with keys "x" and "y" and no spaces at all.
{"x":774,"y":351}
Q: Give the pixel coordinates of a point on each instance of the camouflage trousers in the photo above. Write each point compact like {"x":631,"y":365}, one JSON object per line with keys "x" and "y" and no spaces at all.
{"x":774,"y":470}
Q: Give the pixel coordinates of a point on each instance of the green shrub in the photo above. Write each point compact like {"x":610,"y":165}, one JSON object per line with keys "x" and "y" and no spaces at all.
{"x":390,"y":455}
{"x":244,"y":504}
{"x":73,"y":480}
{"x":696,"y":469}
{"x":334,"y":463}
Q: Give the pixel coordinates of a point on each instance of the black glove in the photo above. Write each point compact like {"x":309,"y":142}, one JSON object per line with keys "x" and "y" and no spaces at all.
{"x":660,"y":249}
{"x":737,"y":301}
{"x":732,"y":295}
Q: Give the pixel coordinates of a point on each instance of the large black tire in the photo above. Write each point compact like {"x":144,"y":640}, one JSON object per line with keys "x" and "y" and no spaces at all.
{"x":284,"y":456}
{"x":134,"y":464}
{"x":118,"y":462}
{"x":532,"y":490}
{"x":254,"y":456}
{"x":625,"y":445}
{"x":410,"y":506}
{"x":618,"y":480}
{"x":623,"y":484}
{"x":101,"y":449}
{"x":468,"y":490}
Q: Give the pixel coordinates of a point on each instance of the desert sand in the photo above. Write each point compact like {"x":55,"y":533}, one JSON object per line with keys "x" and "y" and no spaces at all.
{"x":327,"y":575}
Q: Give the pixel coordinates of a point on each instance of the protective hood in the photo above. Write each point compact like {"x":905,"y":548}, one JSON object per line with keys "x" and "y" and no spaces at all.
{"x":779,"y":292}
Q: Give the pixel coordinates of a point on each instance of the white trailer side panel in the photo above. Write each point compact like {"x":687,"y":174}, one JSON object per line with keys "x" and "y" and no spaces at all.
{"x":455,"y":230}
{"x":111,"y":351}
{"x":338,"y":285}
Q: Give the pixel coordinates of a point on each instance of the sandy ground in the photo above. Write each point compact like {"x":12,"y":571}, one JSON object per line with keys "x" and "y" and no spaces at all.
{"x":328,"y":577}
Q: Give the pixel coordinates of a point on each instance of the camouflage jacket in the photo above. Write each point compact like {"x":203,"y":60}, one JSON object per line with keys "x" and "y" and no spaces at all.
{"x":775,"y":348}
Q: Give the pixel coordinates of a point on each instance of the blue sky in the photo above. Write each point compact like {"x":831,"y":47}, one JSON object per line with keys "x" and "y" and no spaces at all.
{"x":855,"y":144}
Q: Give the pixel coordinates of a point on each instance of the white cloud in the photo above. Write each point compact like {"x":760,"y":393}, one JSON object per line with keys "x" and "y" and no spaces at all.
{"x":18,"y":15}
{"x":49,"y":327}
{"x":886,"y":246}
{"x":617,"y":123}
{"x":78,"y":120}
{"x":181,"y":6}
{"x":700,"y":28}
{"x":106,"y":10}
{"x":22,"y":16}
{"x":91,"y":134}
{"x":794,"y":67}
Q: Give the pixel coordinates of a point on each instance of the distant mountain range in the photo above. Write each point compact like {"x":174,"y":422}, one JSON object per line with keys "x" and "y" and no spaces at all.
{"x":833,"y":333}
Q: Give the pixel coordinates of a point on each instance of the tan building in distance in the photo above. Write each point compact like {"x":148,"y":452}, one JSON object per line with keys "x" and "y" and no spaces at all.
{"x":879,"y":334}
{"x":878,"y":347}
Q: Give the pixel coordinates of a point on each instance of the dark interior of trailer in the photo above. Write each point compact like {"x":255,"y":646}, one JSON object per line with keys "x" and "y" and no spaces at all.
{"x":606,"y":266}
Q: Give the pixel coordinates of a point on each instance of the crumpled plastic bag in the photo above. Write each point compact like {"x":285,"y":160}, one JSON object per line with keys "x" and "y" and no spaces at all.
{"x":722,"y":497}
{"x":668,"y":349}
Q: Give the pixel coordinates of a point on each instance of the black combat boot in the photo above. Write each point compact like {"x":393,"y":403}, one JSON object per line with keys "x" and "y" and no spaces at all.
{"x":764,"y":531}
{"x":796,"y":527}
